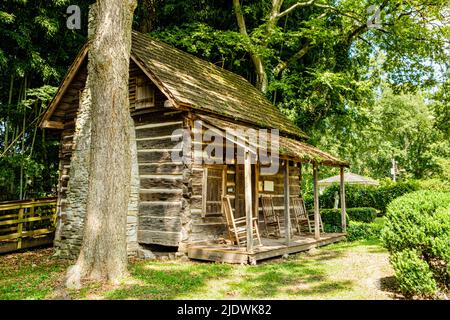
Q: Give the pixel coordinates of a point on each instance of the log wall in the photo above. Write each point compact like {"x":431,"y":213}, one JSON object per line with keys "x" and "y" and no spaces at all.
{"x":164,"y":184}
{"x":168,"y":207}
{"x":278,"y":193}
{"x":69,"y":231}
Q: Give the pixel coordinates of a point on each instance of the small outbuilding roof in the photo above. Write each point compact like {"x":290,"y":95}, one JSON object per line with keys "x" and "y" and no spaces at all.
{"x":351,"y":178}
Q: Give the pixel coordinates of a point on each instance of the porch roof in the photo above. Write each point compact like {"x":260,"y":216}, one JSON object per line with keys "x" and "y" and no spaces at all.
{"x":289,"y":148}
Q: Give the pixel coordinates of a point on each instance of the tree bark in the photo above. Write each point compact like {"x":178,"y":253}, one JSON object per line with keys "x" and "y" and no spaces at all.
{"x":148,"y":15}
{"x":296,"y":56}
{"x":262,"y":81}
{"x":103,"y":254}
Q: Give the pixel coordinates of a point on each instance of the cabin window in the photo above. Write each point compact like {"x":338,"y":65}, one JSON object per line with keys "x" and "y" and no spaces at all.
{"x":145,"y":94}
{"x":214,"y":179}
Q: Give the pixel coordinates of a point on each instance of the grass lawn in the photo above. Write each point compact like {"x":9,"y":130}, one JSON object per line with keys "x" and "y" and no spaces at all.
{"x":348,"y":270}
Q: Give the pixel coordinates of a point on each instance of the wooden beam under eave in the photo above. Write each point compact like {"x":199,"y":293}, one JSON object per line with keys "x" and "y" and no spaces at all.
{"x":68,"y":78}
{"x":343,"y":204}
{"x":47,"y":124}
{"x":316,"y":204}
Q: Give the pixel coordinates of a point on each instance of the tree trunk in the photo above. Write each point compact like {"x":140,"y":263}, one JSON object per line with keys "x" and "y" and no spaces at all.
{"x":262,"y":81}
{"x":103,"y":254}
{"x":148,"y":15}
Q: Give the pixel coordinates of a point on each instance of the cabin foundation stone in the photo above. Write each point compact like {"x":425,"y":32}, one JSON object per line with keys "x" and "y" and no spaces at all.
{"x":72,"y":211}
{"x":133,"y":204}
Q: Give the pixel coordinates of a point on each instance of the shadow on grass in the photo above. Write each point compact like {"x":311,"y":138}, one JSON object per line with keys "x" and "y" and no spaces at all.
{"x":303,"y":274}
{"x":299,"y":275}
{"x":158,"y":280}
{"x":390,"y":285}
{"x":29,"y":275}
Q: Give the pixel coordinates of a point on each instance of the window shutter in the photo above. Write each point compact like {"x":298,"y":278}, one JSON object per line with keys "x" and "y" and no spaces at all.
{"x":145,"y":94}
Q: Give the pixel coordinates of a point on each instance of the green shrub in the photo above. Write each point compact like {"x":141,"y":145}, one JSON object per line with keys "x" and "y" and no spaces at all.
{"x":377,"y":197}
{"x":413,"y":274}
{"x":367,"y":215}
{"x":434,"y":185}
{"x":356,"y":230}
{"x":419,"y":223}
{"x":331,"y":219}
{"x":363,"y":231}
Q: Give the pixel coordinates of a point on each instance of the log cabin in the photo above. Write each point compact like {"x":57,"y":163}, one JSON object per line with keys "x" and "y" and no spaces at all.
{"x":178,"y":202}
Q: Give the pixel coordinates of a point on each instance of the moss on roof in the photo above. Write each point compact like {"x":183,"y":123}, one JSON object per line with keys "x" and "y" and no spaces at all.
{"x":202,"y":85}
{"x":291,"y":148}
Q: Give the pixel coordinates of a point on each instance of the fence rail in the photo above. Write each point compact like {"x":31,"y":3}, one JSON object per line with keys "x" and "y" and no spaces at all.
{"x":26,"y":223}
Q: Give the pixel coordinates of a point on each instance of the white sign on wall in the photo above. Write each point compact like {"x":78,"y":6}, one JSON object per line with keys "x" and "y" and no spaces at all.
{"x":269,"y":186}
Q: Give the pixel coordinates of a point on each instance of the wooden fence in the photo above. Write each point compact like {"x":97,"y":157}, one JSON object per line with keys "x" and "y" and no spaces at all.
{"x":28,"y":223}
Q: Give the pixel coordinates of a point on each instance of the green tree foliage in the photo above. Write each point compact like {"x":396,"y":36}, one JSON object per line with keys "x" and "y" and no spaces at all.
{"x":327,"y":65}
{"x":403,"y":127}
{"x":322,"y":58}
{"x":35,"y":51}
{"x":356,"y":196}
{"x":334,"y":67}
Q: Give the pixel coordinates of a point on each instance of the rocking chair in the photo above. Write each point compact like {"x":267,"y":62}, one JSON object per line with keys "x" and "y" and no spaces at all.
{"x":303,"y":221}
{"x":271,"y":218}
{"x":237,"y":230}
{"x":300,"y":218}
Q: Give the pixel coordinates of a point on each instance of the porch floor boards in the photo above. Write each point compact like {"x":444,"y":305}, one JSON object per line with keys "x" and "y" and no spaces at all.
{"x":271,"y":248}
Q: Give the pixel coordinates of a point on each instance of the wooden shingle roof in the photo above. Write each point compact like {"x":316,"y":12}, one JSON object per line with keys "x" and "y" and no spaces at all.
{"x":198,"y":84}
{"x":189,"y":82}
{"x":193,"y":83}
{"x":291,"y":148}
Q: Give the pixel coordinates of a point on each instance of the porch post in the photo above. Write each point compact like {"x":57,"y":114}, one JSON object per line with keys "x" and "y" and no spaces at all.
{"x":316,"y":204}
{"x":248,"y":199}
{"x":300,"y":177}
{"x":287,"y":213}
{"x":343,"y":205}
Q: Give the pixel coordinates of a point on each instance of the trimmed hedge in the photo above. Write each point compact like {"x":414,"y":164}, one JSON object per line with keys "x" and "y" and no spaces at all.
{"x":357,"y":196}
{"x":367,"y":215}
{"x":331,"y":218}
{"x":417,"y":235}
{"x":434,"y":185}
{"x":413,"y":274}
{"x":363,"y":231}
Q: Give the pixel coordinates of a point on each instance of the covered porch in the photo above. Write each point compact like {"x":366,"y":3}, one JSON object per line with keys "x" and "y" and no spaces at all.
{"x":249,"y":241}
{"x":271,"y":248}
